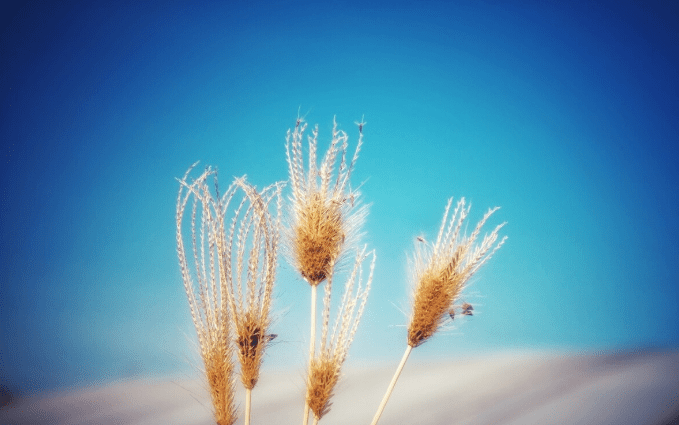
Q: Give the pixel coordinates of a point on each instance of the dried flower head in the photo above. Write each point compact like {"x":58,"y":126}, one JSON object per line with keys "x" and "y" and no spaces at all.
{"x":324,"y":370}
{"x":442,"y":270}
{"x":207,"y":299}
{"x":248,"y":260}
{"x":235,"y":267}
{"x":324,"y":216}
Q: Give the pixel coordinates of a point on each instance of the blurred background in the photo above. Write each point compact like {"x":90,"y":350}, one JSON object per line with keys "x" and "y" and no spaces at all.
{"x":564,"y":115}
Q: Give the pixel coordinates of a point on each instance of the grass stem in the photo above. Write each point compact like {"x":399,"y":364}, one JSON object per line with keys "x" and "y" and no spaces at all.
{"x":391,"y":385}
{"x":248,"y":405}
{"x":312,"y":346}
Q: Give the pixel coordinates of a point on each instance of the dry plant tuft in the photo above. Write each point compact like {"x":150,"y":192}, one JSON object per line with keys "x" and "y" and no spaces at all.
{"x":251,"y":280}
{"x":323,"y":376}
{"x":324,"y":217}
{"x":324,"y":370}
{"x":235,"y":286}
{"x":440,"y":273}
{"x":318,"y":238}
{"x":229,"y":283}
{"x":207,"y":300}
{"x":250,"y":283}
{"x":442,"y":270}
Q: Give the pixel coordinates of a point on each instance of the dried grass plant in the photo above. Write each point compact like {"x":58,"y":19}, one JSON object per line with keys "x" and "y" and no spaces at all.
{"x":234,"y":248}
{"x":324,"y":369}
{"x":207,"y":299}
{"x":250,"y":283}
{"x":235,"y":267}
{"x":324,"y":216}
{"x":440,"y":273}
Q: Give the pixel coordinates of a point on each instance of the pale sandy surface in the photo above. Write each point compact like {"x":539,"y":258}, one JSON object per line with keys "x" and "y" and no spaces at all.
{"x":622,"y":388}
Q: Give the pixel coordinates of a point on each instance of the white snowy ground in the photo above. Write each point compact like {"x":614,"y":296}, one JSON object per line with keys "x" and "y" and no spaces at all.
{"x":537,"y":388}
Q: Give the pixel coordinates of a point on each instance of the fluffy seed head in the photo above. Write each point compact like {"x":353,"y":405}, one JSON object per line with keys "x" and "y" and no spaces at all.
{"x":323,"y":376}
{"x":206,"y":295}
{"x":318,"y":238}
{"x":219,"y":373}
{"x":251,"y":341}
{"x":324,"y":370}
{"x":234,"y":266}
{"x":324,"y":216}
{"x":248,"y":260}
{"x":442,"y":270}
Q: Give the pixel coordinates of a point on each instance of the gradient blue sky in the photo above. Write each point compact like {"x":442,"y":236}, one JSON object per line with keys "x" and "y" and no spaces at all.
{"x":566,"y":116}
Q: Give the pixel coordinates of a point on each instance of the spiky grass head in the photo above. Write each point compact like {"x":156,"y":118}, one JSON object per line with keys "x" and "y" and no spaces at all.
{"x":441,"y":271}
{"x":234,"y":264}
{"x":204,"y":290}
{"x":251,"y":340}
{"x":248,"y":259}
{"x":219,"y":373}
{"x":318,"y":238}
{"x":324,"y":369}
{"x":324,"y":215}
{"x":323,"y":376}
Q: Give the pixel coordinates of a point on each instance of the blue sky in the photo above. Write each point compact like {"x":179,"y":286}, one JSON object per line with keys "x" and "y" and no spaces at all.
{"x":566,"y":116}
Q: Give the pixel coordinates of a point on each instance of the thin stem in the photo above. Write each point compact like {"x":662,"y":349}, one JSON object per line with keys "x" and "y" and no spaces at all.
{"x":391,"y":385}
{"x":312,"y":347}
{"x":248,"y":404}
{"x":312,"y":341}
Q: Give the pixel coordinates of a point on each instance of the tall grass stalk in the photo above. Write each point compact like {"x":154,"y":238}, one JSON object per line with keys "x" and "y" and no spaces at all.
{"x":208,"y":298}
{"x":248,"y":261}
{"x":324,"y":216}
{"x":235,"y":266}
{"x":440,"y":272}
{"x":324,"y":370}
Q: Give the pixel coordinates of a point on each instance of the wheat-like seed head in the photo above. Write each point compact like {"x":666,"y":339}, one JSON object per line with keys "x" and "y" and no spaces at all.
{"x":324,"y":374}
{"x":248,"y":260}
{"x":207,"y":299}
{"x":442,"y":270}
{"x":219,"y":373}
{"x":235,"y":267}
{"x":324,"y":214}
{"x":251,"y":339}
{"x":324,"y":370}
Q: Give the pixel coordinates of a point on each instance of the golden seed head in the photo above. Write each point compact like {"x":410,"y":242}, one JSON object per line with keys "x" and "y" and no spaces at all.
{"x":324,"y":217}
{"x":318,"y":238}
{"x":325,"y":368}
{"x":323,"y":375}
{"x":219,"y":373}
{"x":436,"y":292}
{"x":250,"y":293}
{"x":210,"y":314}
{"x":252,"y":341}
{"x":442,"y":270}
{"x":234,"y":262}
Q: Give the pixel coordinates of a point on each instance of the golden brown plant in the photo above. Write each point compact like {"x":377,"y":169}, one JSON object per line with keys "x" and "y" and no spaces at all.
{"x":226,"y":259}
{"x":235,"y":259}
{"x":324,"y":217}
{"x":440,"y":273}
{"x":248,"y":268}
{"x":207,"y":300}
{"x":324,"y":370}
